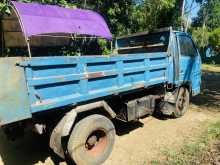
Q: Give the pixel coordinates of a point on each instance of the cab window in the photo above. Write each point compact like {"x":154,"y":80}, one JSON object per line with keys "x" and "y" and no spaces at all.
{"x":187,"y":47}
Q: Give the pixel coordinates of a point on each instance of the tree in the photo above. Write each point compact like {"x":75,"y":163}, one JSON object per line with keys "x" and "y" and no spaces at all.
{"x":206,"y":25}
{"x":180,"y":13}
{"x":126,"y":16}
{"x":208,"y":15}
{"x":215,"y":40}
{"x":201,"y":37}
{"x":4,"y":7}
{"x":150,"y":14}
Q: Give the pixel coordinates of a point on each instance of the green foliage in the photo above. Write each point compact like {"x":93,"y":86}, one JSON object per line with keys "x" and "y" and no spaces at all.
{"x":116,"y":13}
{"x":104,"y":46}
{"x":4,"y":7}
{"x":215,"y":39}
{"x":129,"y":16}
{"x":201,"y":37}
{"x":124,"y":16}
{"x":151,"y":14}
{"x":63,"y":3}
{"x":208,"y":15}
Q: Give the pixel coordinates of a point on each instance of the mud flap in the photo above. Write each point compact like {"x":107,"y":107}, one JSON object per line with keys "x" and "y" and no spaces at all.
{"x":167,"y":106}
{"x":62,"y":129}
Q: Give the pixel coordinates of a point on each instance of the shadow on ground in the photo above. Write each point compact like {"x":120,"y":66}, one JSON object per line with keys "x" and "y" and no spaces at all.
{"x":28,"y":150}
{"x":123,"y":128}
{"x":210,"y":94}
{"x":32,"y":149}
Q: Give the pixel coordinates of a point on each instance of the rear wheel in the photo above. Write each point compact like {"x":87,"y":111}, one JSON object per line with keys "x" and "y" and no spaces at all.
{"x":91,"y":140}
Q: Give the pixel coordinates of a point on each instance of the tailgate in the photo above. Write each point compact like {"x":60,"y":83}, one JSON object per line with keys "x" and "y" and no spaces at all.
{"x":14,"y":104}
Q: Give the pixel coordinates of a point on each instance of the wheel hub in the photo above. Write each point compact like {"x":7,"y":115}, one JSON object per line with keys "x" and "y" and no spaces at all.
{"x":96,"y":143}
{"x":92,"y":141}
{"x":181,"y":101}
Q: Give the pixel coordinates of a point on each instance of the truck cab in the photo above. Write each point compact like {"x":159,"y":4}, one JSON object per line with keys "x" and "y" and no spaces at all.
{"x":189,"y":62}
{"x":184,"y":56}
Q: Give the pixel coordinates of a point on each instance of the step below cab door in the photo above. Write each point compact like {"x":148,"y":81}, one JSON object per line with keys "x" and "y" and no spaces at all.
{"x":189,"y":63}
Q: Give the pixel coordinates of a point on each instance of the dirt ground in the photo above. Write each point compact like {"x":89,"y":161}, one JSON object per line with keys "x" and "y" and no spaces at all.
{"x":138,"y":143}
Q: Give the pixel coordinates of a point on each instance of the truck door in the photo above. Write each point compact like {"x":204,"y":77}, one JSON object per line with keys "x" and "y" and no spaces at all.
{"x":189,"y":63}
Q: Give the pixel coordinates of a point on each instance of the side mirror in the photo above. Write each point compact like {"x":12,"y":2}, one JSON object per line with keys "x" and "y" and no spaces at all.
{"x":209,"y":52}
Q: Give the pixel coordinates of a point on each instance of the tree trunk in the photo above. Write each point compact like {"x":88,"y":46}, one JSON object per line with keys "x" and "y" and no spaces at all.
{"x":189,"y":14}
{"x":182,"y":7}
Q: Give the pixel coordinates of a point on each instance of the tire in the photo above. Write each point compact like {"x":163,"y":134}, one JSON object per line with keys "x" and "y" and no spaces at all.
{"x":91,"y":141}
{"x":182,"y":103}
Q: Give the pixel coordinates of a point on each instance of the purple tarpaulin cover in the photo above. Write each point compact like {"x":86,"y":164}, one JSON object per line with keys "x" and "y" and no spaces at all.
{"x":40,"y":19}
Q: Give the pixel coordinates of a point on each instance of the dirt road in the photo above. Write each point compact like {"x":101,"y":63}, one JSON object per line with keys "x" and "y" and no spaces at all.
{"x":138,"y":143}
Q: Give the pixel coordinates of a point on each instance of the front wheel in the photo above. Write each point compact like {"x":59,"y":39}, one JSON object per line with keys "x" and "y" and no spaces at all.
{"x":182,"y":103}
{"x":91,"y":140}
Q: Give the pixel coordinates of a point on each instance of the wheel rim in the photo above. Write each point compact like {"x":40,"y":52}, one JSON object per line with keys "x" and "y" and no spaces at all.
{"x":96,"y":143}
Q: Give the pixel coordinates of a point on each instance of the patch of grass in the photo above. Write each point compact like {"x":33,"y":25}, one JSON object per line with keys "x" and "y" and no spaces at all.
{"x":193,"y":152}
{"x":155,"y":162}
{"x":211,"y":68}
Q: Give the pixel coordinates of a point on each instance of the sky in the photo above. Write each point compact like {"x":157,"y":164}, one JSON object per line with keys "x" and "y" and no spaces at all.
{"x":195,"y":9}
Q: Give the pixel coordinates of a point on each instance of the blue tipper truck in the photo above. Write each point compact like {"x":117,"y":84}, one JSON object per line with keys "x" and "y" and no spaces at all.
{"x":74,"y":99}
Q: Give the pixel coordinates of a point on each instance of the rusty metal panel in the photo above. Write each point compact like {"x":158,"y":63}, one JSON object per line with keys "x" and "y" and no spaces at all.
{"x":14,"y":104}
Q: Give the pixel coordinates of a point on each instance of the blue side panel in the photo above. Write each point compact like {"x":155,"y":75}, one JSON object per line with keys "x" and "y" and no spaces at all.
{"x":186,"y":63}
{"x":191,"y":72}
{"x":14,"y":102}
{"x":59,"y":81}
{"x":197,"y":74}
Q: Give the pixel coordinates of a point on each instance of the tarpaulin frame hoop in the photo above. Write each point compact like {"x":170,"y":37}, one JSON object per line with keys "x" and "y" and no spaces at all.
{"x":22,"y":28}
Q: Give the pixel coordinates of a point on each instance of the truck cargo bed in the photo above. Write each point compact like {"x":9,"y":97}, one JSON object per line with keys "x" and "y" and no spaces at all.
{"x":46,"y":83}
{"x":59,"y":81}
